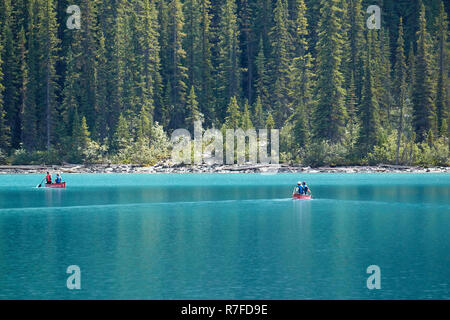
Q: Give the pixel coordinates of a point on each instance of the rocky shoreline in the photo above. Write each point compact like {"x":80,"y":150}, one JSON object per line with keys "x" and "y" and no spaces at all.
{"x":168,"y":168}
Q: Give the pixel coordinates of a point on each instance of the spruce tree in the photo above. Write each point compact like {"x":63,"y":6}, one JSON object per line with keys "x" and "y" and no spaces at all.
{"x":280,"y":63}
{"x":424,"y":108}
{"x":385,"y":93}
{"x":301,"y":76}
{"x":263,"y":22}
{"x":261,"y":76}
{"x":400,"y":86}
{"x":246,"y":121}
{"x":147,"y":53}
{"x":270,"y":122}
{"x":177,"y":72}
{"x":330,"y":113}
{"x":80,"y":138}
{"x":351,"y":103}
{"x":102,"y":123}
{"x":4,"y":128}
{"x":229,"y":72}
{"x":233,"y":119}
{"x":206,"y":96}
{"x":192,"y":108}
{"x":442,"y":83}
{"x":369,"y":109}
{"x":246,"y":42}
{"x":70,"y":98}
{"x":88,"y":66}
{"x":258,"y":114}
{"x":48,"y":57}
{"x":28,"y":105}
{"x":122,"y":137}
{"x":356,"y":23}
{"x":192,"y":14}
{"x":11,"y":72}
{"x":145,"y":126}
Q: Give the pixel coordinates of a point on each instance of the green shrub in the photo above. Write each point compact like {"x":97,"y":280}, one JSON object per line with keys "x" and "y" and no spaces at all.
{"x":23,"y":157}
{"x":324,"y":154}
{"x":435,"y":155}
{"x":145,"y":151}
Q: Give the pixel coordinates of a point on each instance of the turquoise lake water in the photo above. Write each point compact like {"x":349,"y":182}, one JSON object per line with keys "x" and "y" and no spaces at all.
{"x":226,"y":237}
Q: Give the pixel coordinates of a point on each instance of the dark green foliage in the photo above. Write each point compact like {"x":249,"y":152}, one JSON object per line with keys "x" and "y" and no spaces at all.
{"x":442,"y":101}
{"x":424,"y":106}
{"x":369,"y":108}
{"x":400,"y":87}
{"x":310,"y":68}
{"x":4,"y":128}
{"x":330,"y":113}
{"x":228,"y":67}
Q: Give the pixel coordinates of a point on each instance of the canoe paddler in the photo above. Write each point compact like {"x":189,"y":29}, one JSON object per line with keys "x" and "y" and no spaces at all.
{"x":48,"y":178}
{"x":58,"y":178}
{"x":305,"y":188}
{"x":298,"y":189}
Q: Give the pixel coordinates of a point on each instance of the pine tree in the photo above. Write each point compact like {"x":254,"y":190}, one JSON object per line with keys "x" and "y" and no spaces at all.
{"x":442,"y":84}
{"x":330,"y":113}
{"x":424,"y":109}
{"x":270,"y":122}
{"x":48,"y":57}
{"x":122,"y":137}
{"x":352,"y":120}
{"x":4,"y":128}
{"x":192,"y":14}
{"x":233,"y":119}
{"x":163,"y":93}
{"x":369,"y":109}
{"x":400,"y":86}
{"x":355,"y":21}
{"x":87,"y":37}
{"x":176,"y":70}
{"x":102,"y":123}
{"x":80,"y":138}
{"x":411,"y":69}
{"x":280,"y":62}
{"x":246,"y":122}
{"x":28,"y":105}
{"x":263,"y":25}
{"x":258,"y":115}
{"x":262,"y":78}
{"x":206,"y":96}
{"x":229,"y":73}
{"x":192,"y":109}
{"x":11,"y":71}
{"x":301,"y":126}
{"x":385,"y":93}
{"x":301,"y":75}
{"x":145,"y":126}
{"x":147,"y":53}
{"x":246,"y":42}
{"x":70,"y":95}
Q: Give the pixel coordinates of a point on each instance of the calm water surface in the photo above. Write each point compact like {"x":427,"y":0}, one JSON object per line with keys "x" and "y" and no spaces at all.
{"x":226,"y":237}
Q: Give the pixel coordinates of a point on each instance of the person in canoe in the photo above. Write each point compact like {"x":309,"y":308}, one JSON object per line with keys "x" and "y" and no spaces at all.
{"x":58,"y":179}
{"x":299,"y":188}
{"x":48,"y":178}
{"x":305,"y":188}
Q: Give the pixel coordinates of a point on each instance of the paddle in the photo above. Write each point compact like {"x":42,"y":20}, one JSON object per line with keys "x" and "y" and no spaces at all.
{"x":40,"y":184}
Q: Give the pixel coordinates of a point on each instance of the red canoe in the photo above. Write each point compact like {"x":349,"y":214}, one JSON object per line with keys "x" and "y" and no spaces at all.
{"x":56,"y":185}
{"x":301,"y":196}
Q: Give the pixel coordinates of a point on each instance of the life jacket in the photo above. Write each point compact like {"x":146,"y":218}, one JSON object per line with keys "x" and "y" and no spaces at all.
{"x":300,"y":189}
{"x":58,"y":179}
{"x":49,"y":178}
